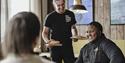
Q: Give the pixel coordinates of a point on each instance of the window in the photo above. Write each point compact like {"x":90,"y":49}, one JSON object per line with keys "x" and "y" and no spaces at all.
{"x":86,"y":17}
{"x":118,"y":16}
{"x":16,"y":6}
{"x":9,"y":8}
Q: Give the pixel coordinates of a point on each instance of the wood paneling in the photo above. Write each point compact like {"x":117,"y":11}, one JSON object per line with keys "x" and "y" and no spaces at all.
{"x":124,"y":32}
{"x":120,"y":32}
{"x":113,"y":32}
{"x":106,"y":19}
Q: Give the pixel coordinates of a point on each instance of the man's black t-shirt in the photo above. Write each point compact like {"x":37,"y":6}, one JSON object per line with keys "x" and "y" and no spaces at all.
{"x":60,"y":24}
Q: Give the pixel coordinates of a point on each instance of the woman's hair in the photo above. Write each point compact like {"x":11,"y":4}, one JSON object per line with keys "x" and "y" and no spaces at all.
{"x":97,"y":25}
{"x":21,"y":33}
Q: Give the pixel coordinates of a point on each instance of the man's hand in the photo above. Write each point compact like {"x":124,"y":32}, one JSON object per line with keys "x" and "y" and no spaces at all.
{"x":53,"y":43}
{"x":75,"y":39}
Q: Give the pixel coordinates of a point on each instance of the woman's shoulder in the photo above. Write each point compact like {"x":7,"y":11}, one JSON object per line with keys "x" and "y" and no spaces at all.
{"x":42,"y":60}
{"x":10,"y":59}
{"x":26,"y":59}
{"x":37,"y":59}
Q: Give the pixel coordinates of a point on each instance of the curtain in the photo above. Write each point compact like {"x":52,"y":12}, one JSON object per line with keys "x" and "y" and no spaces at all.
{"x":4,"y":19}
{"x":4,"y":16}
{"x":0,"y":32}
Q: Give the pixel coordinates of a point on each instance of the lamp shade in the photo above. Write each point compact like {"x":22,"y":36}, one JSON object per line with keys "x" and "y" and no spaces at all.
{"x":78,"y":7}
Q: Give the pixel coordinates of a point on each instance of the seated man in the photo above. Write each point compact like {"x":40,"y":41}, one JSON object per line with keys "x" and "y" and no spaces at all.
{"x":99,"y":49}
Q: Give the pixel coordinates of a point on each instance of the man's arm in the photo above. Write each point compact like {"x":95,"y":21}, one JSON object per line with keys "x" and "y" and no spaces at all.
{"x":74,"y":32}
{"x":45,"y":34}
{"x":49,"y":42}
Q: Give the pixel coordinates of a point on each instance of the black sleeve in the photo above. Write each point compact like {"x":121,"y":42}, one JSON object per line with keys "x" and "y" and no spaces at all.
{"x":48,"y":21}
{"x":80,"y":58}
{"x":73,"y":18}
{"x":113,"y":52}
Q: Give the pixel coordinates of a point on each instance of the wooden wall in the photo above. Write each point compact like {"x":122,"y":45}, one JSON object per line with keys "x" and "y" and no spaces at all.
{"x":102,"y":15}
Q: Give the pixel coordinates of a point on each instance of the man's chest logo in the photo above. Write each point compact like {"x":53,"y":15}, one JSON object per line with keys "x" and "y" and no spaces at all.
{"x":68,"y":18}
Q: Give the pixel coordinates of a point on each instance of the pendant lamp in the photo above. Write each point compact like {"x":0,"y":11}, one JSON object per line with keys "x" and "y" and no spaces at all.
{"x":78,"y":7}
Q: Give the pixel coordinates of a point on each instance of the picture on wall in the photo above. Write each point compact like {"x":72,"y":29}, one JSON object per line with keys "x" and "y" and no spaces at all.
{"x":83,"y":18}
{"x":117,"y":11}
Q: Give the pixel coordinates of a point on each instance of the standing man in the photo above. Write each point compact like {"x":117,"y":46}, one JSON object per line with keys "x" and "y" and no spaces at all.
{"x":61,"y":24}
